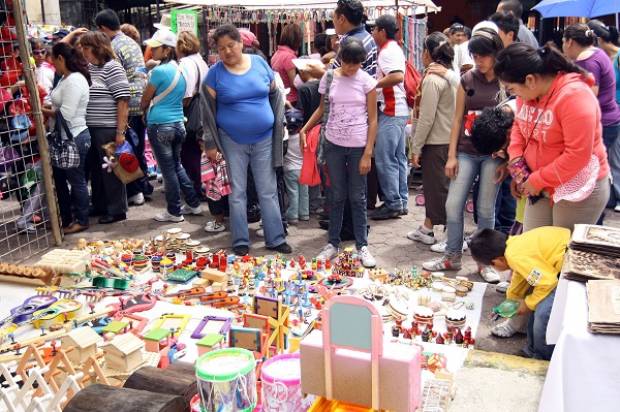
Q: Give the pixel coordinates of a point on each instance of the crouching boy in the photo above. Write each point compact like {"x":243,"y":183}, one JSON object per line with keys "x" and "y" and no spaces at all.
{"x":536,"y":259}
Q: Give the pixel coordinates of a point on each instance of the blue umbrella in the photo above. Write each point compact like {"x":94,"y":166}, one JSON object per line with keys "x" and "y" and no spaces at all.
{"x":577,"y":8}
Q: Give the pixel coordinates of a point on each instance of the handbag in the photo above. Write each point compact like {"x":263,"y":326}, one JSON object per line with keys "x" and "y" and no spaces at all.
{"x":122,"y":162}
{"x":64,"y":153}
{"x":192,"y":111}
{"x":321,"y":148}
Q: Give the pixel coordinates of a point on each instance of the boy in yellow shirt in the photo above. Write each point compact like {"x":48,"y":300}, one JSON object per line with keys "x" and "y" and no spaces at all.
{"x":536,"y":259}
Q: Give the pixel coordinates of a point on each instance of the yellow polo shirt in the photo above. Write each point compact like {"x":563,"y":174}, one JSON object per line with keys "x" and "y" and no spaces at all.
{"x":536,"y":259}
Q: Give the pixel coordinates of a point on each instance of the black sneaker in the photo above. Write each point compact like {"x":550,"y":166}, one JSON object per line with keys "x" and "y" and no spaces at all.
{"x":283,"y":248}
{"x":385,"y":213}
{"x":241,"y":250}
{"x":404,"y":212}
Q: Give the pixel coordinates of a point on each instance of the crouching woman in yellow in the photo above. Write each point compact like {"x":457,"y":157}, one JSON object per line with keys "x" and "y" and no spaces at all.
{"x":536,"y":259}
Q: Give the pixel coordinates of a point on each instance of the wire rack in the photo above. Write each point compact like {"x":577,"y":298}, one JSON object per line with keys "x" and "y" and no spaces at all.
{"x":25,"y":223}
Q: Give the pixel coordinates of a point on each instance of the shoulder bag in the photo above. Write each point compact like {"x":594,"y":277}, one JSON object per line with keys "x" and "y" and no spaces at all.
{"x":192,"y":111}
{"x":64,"y":153}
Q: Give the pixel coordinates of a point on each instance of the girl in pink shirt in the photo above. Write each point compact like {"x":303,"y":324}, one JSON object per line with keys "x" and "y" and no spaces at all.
{"x":350,"y":135}
{"x":557,"y":134}
{"x":282,"y":59}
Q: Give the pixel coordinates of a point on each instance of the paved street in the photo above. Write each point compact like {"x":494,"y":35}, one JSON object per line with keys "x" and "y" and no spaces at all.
{"x":388,"y":243}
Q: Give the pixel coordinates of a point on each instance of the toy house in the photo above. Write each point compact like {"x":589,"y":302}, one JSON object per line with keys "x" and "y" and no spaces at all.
{"x":84,"y":343}
{"x":124,"y":353}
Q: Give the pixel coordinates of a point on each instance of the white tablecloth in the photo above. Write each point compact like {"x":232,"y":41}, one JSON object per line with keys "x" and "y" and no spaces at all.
{"x":584,"y":373}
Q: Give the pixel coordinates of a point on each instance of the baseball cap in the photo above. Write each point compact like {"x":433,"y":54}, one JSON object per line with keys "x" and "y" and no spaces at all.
{"x":330,"y":32}
{"x":486,"y":25}
{"x":162,"y":38}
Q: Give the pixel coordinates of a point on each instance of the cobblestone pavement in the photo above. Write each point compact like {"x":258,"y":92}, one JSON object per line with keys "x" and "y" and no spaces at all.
{"x":387,"y":241}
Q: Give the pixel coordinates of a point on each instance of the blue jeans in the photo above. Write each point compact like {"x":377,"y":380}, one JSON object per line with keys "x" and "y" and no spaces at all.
{"x":391,"y":160}
{"x":537,"y":330}
{"x":298,"y":199}
{"x":343,"y":168}
{"x":612,"y":143}
{"x":166,"y":141}
{"x":74,"y":205}
{"x":470,"y":166}
{"x":259,"y":157}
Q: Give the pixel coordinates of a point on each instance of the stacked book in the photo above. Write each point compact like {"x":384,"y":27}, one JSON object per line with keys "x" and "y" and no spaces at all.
{"x":604,"y":306}
{"x":594,"y":253}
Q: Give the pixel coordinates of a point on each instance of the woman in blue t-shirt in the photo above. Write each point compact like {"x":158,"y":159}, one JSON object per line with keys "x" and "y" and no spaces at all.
{"x":241,"y":85}
{"x":163,"y":97}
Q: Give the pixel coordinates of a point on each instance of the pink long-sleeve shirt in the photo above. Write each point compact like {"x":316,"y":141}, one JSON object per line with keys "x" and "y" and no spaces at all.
{"x":558,"y":134}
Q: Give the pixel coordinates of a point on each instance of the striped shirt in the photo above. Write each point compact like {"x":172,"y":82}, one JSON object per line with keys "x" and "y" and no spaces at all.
{"x":370,"y":65}
{"x":109,"y":84}
{"x":130,"y":56}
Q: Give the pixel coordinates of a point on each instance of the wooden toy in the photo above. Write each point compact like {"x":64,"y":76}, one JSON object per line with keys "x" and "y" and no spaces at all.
{"x":181,"y":276}
{"x":65,"y":261}
{"x":389,"y":378}
{"x":27,"y":274}
{"x":232,"y":388}
{"x":215,"y":324}
{"x":214,"y":275}
{"x":105,"y":398}
{"x":209,"y":342}
{"x":247,"y":338}
{"x":84,"y":340}
{"x":325,"y":405}
{"x":176,"y":323}
{"x":124,"y":353}
{"x":57,"y":313}
{"x":153,"y":339}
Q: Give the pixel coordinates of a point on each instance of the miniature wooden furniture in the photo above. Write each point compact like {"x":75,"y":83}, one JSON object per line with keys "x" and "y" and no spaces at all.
{"x":124,"y":353}
{"x":104,"y":398}
{"x":84,"y":340}
{"x":209,"y":342}
{"x":351,"y":362}
{"x":153,"y":339}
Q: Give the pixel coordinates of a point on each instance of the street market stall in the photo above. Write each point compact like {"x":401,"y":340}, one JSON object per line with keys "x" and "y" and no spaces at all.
{"x":106,"y":310}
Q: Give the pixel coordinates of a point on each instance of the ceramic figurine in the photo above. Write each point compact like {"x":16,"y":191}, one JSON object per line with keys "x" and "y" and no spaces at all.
{"x":458,"y":337}
{"x":439,"y":340}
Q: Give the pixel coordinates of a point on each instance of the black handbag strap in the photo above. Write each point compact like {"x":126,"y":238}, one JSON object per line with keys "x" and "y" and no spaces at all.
{"x":63,"y":124}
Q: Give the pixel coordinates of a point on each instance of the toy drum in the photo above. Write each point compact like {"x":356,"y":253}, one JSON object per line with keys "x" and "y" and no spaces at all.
{"x":281,"y":384}
{"x":227,"y":381}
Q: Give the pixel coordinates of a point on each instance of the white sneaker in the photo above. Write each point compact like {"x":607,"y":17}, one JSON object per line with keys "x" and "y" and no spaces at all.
{"x":490,"y":275}
{"x":214,"y":227}
{"x":136,"y":200}
{"x":328,"y":252}
{"x":419,"y":236}
{"x":167,"y":217}
{"x":188,"y":210}
{"x":28,"y":227}
{"x":511,"y":326}
{"x":617,"y":208}
{"x":441,"y":247}
{"x":502,"y":287}
{"x":368,"y":261}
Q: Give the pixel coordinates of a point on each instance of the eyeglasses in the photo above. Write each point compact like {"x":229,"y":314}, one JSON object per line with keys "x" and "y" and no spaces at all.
{"x":39,"y":52}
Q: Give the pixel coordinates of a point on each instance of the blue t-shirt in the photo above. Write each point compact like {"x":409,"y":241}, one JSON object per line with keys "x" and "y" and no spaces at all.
{"x":170,"y":108}
{"x":243,"y":109}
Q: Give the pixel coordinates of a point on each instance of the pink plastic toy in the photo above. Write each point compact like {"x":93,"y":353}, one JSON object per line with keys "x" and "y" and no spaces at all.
{"x":281,"y":384}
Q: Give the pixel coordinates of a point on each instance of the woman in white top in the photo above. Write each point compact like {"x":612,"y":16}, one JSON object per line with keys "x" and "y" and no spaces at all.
{"x":195,"y":70}
{"x":71,"y":96}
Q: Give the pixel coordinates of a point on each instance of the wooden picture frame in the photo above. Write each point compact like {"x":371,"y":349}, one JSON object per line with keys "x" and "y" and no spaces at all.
{"x":246,"y":338}
{"x":266,"y":306}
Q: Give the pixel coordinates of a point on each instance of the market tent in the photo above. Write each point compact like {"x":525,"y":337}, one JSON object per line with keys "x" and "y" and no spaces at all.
{"x":421,"y":6}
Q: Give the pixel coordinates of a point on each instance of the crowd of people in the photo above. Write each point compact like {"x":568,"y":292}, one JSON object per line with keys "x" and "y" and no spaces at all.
{"x":494,"y":114}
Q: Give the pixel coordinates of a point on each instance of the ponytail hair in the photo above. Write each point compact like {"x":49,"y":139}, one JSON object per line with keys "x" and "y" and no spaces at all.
{"x":74,"y":60}
{"x":609,"y":34}
{"x":439,"y":49}
{"x":517,"y":61}
{"x":581,"y":34}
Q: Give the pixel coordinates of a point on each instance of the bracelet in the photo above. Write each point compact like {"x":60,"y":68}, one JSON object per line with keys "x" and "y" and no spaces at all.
{"x":122,"y":132}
